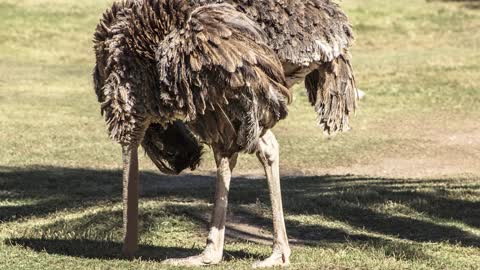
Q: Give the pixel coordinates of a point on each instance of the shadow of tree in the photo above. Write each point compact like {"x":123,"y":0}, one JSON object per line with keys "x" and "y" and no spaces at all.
{"x":94,"y":249}
{"x":52,"y":188}
{"x":352,"y":200}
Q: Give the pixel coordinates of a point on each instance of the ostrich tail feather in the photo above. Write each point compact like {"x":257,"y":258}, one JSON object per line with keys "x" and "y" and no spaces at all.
{"x":331,"y":89}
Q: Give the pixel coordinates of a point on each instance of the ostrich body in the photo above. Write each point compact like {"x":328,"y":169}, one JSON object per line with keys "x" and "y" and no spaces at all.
{"x":172,"y":75}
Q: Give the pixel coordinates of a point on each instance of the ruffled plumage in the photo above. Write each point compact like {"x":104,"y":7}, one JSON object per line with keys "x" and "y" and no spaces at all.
{"x":221,"y":68}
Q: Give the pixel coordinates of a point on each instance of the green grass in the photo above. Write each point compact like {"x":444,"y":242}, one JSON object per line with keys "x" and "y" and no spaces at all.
{"x":401,"y":191}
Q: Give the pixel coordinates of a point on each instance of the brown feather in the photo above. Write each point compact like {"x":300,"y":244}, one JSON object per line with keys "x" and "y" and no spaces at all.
{"x":220,"y":68}
{"x":331,"y":89}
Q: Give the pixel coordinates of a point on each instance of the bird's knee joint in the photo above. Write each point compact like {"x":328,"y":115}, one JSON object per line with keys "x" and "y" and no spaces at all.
{"x":268,"y":152}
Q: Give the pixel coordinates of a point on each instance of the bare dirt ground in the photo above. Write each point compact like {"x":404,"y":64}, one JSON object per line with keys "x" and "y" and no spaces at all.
{"x":443,"y":151}
{"x":438,"y":147}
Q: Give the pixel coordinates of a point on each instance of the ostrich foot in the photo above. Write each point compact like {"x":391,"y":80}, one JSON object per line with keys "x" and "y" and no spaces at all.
{"x":276,"y":259}
{"x":204,"y":259}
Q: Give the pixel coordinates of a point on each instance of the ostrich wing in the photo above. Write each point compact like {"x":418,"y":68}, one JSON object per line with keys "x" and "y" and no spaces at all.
{"x":312,"y":35}
{"x":302,"y":32}
{"x":218,"y":61}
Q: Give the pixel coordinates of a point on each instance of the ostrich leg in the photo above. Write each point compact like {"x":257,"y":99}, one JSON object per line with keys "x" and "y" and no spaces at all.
{"x":213,"y":253}
{"x":130,"y":199}
{"x":268,"y":154}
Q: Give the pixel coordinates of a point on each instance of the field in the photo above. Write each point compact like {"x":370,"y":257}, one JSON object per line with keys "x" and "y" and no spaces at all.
{"x":400,"y":191}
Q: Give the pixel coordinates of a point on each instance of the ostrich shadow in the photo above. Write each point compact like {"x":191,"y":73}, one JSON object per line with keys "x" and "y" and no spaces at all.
{"x":343,"y":198}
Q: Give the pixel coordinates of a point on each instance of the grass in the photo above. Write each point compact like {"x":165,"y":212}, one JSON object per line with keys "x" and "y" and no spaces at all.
{"x":401,"y":191}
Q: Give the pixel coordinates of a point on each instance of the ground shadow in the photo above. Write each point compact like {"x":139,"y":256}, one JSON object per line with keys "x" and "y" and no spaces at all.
{"x":97,"y":249}
{"x":50,"y":189}
{"x":110,"y":250}
{"x":345,"y":198}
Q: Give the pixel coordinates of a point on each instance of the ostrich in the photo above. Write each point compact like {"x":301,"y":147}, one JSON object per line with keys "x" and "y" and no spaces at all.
{"x":174,"y":75}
